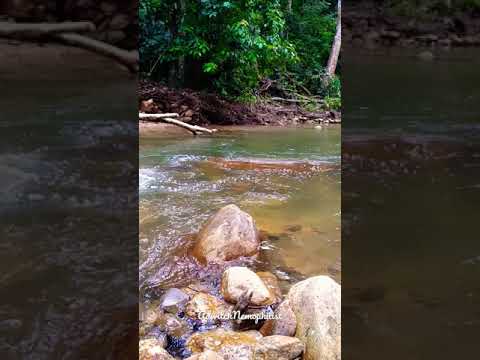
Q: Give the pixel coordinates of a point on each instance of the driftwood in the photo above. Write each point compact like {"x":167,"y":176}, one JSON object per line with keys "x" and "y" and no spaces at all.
{"x":34,"y":31}
{"x":67,"y":32}
{"x":127,"y":58}
{"x":162,"y":117}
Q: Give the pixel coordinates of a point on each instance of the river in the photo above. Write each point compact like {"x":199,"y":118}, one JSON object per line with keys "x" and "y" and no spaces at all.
{"x":288,"y":179}
{"x":410,"y":195}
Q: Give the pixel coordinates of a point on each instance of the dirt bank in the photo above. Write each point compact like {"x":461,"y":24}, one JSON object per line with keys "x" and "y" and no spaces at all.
{"x":201,"y":108}
{"x":367,"y":24}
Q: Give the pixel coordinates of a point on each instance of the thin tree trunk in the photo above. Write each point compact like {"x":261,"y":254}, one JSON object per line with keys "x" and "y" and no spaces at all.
{"x":337,"y":44}
{"x":181,"y":59}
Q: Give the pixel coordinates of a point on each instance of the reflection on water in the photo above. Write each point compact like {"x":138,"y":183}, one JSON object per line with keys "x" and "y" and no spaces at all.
{"x":410,"y":195}
{"x":68,"y":215}
{"x":287,"y":179}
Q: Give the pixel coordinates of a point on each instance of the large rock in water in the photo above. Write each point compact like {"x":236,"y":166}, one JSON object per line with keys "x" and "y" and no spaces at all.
{"x":229,"y":234}
{"x":316,"y":303}
{"x":238,"y":281}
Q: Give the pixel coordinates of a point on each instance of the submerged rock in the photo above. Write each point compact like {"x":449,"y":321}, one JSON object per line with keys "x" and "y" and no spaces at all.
{"x":174,"y":300}
{"x":316,"y":303}
{"x":285,"y":322}
{"x":278,"y":347}
{"x":152,"y":349}
{"x":229,"y":234}
{"x":231,"y":345}
{"x":237,"y":281}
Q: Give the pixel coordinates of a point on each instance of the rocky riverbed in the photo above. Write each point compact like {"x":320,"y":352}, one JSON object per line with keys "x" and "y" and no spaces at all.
{"x":243,"y":314}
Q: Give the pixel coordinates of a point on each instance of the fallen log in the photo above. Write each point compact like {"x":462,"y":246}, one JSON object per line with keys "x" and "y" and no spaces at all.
{"x":158,"y":116}
{"x":127,"y":58}
{"x":38,"y":30}
{"x":161,"y":117}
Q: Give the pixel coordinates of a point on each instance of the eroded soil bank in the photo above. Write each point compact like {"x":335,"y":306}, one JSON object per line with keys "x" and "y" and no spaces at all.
{"x":367,"y":24}
{"x":202,"y":108}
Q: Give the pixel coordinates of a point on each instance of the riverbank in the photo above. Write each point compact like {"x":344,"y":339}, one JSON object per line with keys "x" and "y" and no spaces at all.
{"x":200,"y":108}
{"x":368,"y":24}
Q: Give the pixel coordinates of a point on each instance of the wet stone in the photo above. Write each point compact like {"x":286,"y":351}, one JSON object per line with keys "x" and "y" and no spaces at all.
{"x":174,"y":301}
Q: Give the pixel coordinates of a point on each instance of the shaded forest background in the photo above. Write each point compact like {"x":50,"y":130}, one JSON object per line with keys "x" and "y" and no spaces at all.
{"x":238,"y":48}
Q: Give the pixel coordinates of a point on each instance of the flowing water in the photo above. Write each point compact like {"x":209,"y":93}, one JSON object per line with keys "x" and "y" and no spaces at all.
{"x":68,"y":163}
{"x":410,"y":195}
{"x":287,"y":179}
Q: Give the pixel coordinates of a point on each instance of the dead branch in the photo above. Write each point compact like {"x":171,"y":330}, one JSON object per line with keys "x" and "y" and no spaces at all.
{"x":127,"y":58}
{"x":158,"y":116}
{"x":161,"y":117}
{"x":34,"y":31}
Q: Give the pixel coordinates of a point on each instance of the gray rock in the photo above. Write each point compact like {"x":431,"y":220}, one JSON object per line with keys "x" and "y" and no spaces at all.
{"x":237,"y":280}
{"x":278,"y":347}
{"x":174,"y":300}
{"x":228,"y":235}
{"x":316,"y":303}
{"x":285,"y":322}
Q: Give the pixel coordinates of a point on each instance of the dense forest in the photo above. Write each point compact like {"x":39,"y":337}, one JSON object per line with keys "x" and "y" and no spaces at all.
{"x":238,"y":48}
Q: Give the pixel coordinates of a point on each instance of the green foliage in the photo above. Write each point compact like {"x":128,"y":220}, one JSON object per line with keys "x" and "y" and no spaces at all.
{"x":238,"y":43}
{"x":311,"y":30}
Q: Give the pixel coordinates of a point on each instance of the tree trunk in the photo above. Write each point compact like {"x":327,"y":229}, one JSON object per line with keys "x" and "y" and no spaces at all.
{"x":176,"y":73}
{"x":181,"y":59}
{"x":337,"y":44}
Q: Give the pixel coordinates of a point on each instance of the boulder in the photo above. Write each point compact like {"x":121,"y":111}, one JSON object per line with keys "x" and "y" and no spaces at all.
{"x":237,"y":281}
{"x":316,"y":303}
{"x":231,"y":345}
{"x":278,"y":347}
{"x":285,"y":322}
{"x":174,"y":300}
{"x":271,"y":282}
{"x":152,"y":349}
{"x":207,"y":308}
{"x":228,"y":235}
{"x":206,"y":355}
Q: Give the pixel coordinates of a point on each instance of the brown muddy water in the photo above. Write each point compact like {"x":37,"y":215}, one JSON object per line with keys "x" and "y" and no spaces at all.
{"x":410,"y":195}
{"x":287,"y":179}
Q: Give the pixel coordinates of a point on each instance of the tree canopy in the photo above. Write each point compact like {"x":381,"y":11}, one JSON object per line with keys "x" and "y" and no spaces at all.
{"x":232,"y":46}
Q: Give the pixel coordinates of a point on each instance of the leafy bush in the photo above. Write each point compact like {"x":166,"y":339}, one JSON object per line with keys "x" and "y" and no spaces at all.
{"x":235,"y":44}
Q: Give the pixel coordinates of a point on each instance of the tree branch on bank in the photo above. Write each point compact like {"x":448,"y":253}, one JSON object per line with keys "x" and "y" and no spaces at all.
{"x":67,"y":32}
{"x":127,"y":58}
{"x":168,"y":118}
{"x":32,"y":31}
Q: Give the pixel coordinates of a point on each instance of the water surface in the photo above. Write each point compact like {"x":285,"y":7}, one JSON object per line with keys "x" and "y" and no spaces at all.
{"x":294,"y":198}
